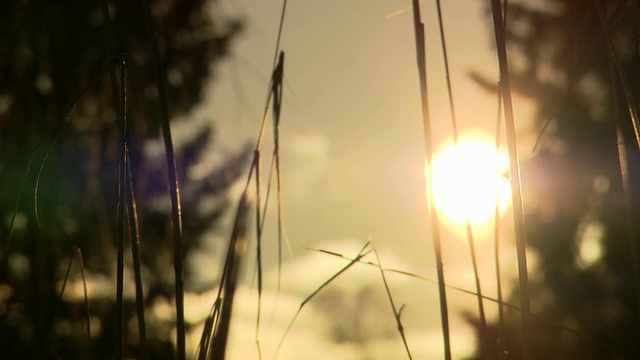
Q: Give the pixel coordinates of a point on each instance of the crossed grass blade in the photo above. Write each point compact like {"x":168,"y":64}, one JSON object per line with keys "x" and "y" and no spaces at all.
{"x":514,"y":168}
{"x":77,"y":253}
{"x":456,"y":141}
{"x":539,"y":318}
{"x":626,"y":189}
{"x":435,"y":224}
{"x":215,"y":334}
{"x":397,"y":313}
{"x":361,"y":254}
{"x":174,"y":187}
{"x":275,"y":94}
{"x":617,"y":72}
{"x":237,"y":248}
{"x":67,"y":115}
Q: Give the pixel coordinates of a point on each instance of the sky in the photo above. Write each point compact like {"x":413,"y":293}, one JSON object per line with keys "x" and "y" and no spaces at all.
{"x":352,"y":151}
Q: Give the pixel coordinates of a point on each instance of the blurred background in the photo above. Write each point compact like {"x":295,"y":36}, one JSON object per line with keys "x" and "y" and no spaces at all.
{"x":353,"y":165}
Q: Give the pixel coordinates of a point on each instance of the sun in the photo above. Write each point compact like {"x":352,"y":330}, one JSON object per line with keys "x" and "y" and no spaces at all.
{"x":468,"y":179}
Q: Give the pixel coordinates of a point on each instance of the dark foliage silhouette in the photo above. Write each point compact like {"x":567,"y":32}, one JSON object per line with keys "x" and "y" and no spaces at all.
{"x":579,"y":221}
{"x":49,"y":52}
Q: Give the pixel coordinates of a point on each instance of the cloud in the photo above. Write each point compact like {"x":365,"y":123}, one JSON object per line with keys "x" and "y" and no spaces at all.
{"x":349,"y":318}
{"x":305,"y":160}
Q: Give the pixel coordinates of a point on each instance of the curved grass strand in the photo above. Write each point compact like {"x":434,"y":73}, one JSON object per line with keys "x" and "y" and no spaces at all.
{"x":396,"y":312}
{"x":539,"y":318}
{"x":352,"y":262}
{"x":66,"y":114}
{"x":7,"y":246}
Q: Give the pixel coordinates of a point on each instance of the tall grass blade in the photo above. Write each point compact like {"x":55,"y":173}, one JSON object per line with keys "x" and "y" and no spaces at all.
{"x":275,"y":93}
{"x":228,"y":285}
{"x":445,"y":57}
{"x":272,"y":167}
{"x":496,"y":235}
{"x":256,"y":165}
{"x":122,"y":209}
{"x":624,"y":81}
{"x":435,"y":226}
{"x":276,"y":83}
{"x":622,"y":152}
{"x":280,"y":27}
{"x":354,"y":261}
{"x":633,"y":231}
{"x":134,"y":231}
{"x":278,"y":76}
{"x":626,"y":188}
{"x":396,"y":312}
{"x":110,"y":40}
{"x":119,"y":99}
{"x":456,"y":139}
{"x":401,"y":11}
{"x":514,"y":168}
{"x":474,"y":263}
{"x":174,"y":188}
{"x":206,"y":347}
{"x":207,"y":333}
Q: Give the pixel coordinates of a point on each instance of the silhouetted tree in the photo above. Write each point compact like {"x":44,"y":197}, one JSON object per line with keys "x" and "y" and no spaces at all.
{"x":577,"y":222}
{"x":50,"y":51}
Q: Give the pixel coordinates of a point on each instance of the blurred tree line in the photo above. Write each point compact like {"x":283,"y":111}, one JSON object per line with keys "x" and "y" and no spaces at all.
{"x":49,"y":52}
{"x":580,"y":224}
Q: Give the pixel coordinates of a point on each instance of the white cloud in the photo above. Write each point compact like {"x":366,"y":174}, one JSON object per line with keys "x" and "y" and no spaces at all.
{"x":305,"y":160}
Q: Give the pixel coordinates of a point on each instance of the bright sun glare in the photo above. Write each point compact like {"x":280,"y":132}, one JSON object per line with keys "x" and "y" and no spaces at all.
{"x":467,"y":179}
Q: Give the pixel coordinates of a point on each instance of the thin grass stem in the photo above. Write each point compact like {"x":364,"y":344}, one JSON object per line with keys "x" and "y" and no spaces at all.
{"x":626,"y":189}
{"x":541,"y":319}
{"x":134,"y":232}
{"x":275,"y":93}
{"x":496,"y":234}
{"x":352,"y":262}
{"x":456,"y":140}
{"x":122,"y":217}
{"x":277,"y":106}
{"x":514,"y":168}
{"x":7,"y":245}
{"x":396,"y":312}
{"x":119,"y":98}
{"x":174,"y":187}
{"x":66,"y":115}
{"x":435,"y":226}
{"x":624,"y":81}
{"x":205,"y":339}
{"x":256,"y":164}
{"x":235,"y":253}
